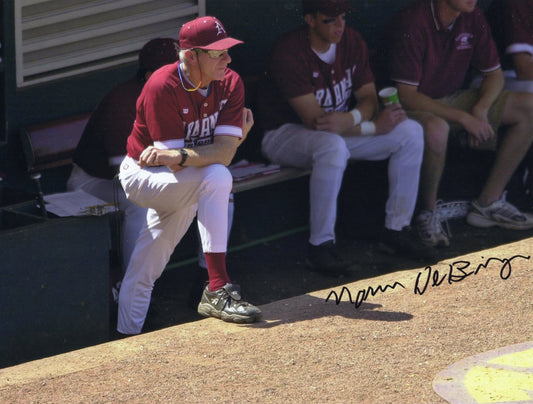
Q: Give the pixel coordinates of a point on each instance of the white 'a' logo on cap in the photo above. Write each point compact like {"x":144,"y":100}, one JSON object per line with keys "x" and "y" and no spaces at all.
{"x":220,"y":28}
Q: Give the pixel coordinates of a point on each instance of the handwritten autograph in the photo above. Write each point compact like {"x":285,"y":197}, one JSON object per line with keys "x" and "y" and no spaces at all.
{"x":456,"y":272}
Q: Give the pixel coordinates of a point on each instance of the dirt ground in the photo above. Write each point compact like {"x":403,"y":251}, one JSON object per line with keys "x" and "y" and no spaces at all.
{"x":388,"y":350}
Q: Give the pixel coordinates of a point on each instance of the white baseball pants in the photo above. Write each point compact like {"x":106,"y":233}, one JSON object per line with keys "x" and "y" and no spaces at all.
{"x":327,"y":154}
{"x":173,"y":200}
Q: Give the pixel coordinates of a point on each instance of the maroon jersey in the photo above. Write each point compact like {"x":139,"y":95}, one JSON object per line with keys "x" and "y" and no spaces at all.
{"x":423,"y":53}
{"x":103,"y":143}
{"x":170,"y":117}
{"x":518,"y":26}
{"x":294,"y":70}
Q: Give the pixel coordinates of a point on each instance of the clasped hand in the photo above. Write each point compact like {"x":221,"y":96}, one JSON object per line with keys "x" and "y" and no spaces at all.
{"x":152,"y":157}
{"x":478,"y":128}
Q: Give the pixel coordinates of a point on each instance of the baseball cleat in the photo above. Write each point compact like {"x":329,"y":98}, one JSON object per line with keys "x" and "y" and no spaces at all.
{"x":227,"y":305}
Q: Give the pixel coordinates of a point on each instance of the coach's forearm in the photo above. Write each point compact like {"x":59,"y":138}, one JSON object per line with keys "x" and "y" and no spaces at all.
{"x":221,"y":151}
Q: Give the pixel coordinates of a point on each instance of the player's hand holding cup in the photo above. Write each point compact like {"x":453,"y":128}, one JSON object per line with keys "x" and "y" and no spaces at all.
{"x":389,"y":118}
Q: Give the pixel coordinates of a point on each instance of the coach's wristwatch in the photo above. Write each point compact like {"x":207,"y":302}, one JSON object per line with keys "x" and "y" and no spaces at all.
{"x":184,"y":156}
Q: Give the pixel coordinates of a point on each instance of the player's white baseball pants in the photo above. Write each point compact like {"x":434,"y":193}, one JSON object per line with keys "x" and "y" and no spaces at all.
{"x":327,"y":155}
{"x":172,"y":199}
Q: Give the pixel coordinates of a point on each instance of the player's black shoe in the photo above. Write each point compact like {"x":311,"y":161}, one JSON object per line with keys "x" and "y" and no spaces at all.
{"x":326,"y":259}
{"x":405,"y":242}
{"x":227,"y":304}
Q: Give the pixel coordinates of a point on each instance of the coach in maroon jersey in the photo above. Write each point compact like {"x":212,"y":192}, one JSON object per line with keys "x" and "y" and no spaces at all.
{"x":433,"y":44}
{"x":102,"y":147}
{"x":190,"y":120}
{"x":316,"y":75}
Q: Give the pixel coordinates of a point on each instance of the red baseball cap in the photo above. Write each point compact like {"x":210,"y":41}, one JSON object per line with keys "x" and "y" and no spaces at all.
{"x":331,"y":8}
{"x":205,"y":33}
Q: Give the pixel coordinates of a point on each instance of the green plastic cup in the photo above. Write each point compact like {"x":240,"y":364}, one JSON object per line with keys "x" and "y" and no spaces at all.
{"x":389,"y":95}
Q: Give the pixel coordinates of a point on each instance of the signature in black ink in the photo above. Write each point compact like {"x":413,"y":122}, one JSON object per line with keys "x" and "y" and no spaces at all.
{"x":459,"y":271}
{"x":362,"y":294}
{"x":456,"y":272}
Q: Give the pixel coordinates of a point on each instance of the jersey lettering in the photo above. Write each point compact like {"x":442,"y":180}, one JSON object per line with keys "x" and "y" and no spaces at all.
{"x":338,"y":94}
{"x":206,"y":129}
{"x":192,"y":129}
{"x":319,"y":95}
{"x":200,"y":132}
{"x":342,"y":91}
{"x":328,"y":101}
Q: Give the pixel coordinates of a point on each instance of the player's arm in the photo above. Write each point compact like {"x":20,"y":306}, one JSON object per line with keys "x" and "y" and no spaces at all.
{"x":223,"y":148}
{"x":314,"y":117}
{"x":307,"y":108}
{"x":489,"y":90}
{"x":221,"y":151}
{"x":523,"y":63}
{"x":412,"y":99}
{"x":383,"y":121}
{"x":367,"y":101}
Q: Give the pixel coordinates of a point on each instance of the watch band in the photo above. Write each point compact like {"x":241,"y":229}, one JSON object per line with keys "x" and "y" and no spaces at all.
{"x":184,"y":156}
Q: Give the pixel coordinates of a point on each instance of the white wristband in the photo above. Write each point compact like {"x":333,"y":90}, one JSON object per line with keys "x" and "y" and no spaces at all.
{"x":357,"y":118}
{"x":368,"y":128}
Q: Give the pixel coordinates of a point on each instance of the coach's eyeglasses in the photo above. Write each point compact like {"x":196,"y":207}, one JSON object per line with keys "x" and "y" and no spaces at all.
{"x":213,"y":54}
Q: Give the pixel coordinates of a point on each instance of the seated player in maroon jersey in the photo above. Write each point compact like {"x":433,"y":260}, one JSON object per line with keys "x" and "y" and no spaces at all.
{"x":319,"y":110}
{"x":433,"y":44}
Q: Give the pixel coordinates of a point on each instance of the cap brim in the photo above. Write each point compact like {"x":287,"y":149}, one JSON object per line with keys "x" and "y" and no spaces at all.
{"x":223,"y":44}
